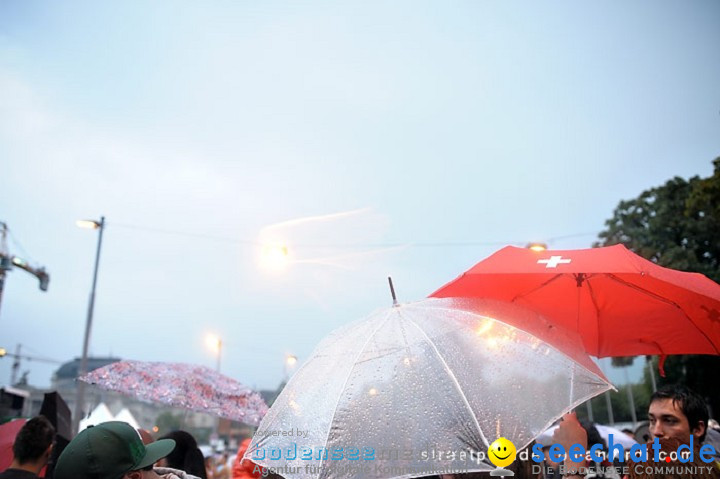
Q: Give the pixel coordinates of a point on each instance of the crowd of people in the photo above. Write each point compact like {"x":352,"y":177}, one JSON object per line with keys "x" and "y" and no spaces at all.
{"x":115,"y":450}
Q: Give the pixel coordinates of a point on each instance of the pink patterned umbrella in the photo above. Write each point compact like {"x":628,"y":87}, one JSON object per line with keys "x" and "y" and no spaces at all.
{"x":181,"y":385}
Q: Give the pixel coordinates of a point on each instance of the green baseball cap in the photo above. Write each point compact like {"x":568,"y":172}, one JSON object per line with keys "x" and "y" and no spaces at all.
{"x":109,"y":451}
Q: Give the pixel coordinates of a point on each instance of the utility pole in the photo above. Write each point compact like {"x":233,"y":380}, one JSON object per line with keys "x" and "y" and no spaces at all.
{"x":651,"y":367}
{"x":631,"y":399}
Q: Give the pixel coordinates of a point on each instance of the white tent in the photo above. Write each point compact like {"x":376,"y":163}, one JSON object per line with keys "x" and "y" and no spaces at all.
{"x":100,"y":414}
{"x":126,"y":416}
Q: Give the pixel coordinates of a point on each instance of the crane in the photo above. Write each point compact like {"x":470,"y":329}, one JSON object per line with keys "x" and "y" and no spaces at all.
{"x":18,"y":357}
{"x":8,"y":261}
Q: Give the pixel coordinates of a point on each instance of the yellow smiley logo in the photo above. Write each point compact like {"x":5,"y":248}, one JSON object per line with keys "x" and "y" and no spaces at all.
{"x":502,"y":452}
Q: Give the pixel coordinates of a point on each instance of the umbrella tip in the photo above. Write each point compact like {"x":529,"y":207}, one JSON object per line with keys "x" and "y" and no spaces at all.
{"x":392,"y":291}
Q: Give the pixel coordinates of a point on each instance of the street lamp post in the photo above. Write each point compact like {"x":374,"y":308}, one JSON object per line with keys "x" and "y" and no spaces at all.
{"x":80,"y":394}
{"x":219,"y":353}
{"x":215,"y":344}
{"x":290,"y":362}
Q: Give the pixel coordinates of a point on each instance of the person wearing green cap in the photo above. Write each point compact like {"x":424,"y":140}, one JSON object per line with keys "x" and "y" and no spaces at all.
{"x":111,"y":450}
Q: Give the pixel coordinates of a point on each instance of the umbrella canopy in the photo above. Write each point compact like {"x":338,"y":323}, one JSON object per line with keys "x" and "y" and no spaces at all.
{"x":57,"y":412}
{"x":8,"y":432}
{"x":187,"y":386}
{"x":419,"y":389}
{"x":619,"y":303}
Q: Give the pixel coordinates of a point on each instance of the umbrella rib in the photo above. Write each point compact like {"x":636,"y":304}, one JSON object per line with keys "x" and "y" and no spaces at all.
{"x":453,"y":378}
{"x":591,"y":293}
{"x":667,"y":301}
{"x":337,"y":403}
{"x":540,"y":286}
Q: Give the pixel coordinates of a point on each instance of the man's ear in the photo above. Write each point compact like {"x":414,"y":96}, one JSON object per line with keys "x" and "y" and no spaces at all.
{"x":133,"y":475}
{"x":48,"y":452}
{"x":699,"y":429}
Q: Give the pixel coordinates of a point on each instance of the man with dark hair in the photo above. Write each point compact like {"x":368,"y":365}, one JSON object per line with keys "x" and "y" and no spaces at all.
{"x":31,"y":449}
{"x":678,"y":412}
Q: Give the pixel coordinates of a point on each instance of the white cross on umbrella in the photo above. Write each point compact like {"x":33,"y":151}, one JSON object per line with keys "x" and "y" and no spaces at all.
{"x":554,"y":261}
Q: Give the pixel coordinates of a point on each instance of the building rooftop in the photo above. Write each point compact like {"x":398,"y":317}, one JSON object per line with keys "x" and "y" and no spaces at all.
{"x":70,"y":369}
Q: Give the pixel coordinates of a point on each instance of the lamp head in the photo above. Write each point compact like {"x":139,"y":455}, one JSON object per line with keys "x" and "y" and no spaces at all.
{"x":88,"y":224}
{"x":537,"y":246}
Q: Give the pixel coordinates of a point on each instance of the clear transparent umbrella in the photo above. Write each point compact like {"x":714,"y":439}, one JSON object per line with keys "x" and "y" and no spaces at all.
{"x":421,"y":389}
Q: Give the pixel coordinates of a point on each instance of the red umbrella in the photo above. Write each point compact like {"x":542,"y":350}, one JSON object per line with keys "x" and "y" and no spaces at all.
{"x":619,"y":303}
{"x":8,"y":431}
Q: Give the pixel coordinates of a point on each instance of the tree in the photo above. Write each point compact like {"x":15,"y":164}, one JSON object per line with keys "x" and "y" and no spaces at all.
{"x":620,"y":405}
{"x":167,"y":422}
{"x":677,"y":225}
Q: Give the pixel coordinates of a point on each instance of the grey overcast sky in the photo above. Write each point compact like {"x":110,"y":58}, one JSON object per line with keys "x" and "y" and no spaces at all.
{"x":404,"y":138}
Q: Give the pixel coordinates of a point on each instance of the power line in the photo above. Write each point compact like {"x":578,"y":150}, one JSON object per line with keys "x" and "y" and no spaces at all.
{"x":182,"y":233}
{"x":420,"y":244}
{"x":3,"y":353}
